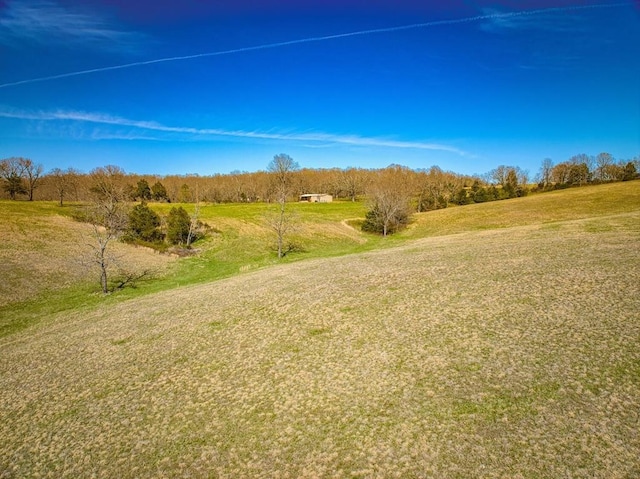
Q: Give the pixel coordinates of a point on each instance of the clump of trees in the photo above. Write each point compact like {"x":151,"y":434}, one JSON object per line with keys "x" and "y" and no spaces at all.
{"x":112,"y":217}
{"x":501,"y":183}
{"x":435,"y":189}
{"x":430,"y":188}
{"x":147,"y":228}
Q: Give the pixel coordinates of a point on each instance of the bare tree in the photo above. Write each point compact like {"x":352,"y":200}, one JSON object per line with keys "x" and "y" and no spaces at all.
{"x":560,"y":173}
{"x":281,"y":168}
{"x":108,"y":215}
{"x":352,"y":181}
{"x":604,"y":164}
{"x":32,"y":173}
{"x":389,"y":201}
{"x":105,"y":230}
{"x":64,"y":182}
{"x":499,"y":175}
{"x":11,"y":171}
{"x":545,"y":172}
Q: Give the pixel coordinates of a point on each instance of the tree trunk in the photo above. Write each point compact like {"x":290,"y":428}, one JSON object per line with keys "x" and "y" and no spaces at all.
{"x":281,"y":227}
{"x":103,"y":278}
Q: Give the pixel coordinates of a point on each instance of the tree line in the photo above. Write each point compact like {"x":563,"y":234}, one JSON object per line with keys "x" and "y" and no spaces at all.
{"x":430,"y":188}
{"x":584,"y":169}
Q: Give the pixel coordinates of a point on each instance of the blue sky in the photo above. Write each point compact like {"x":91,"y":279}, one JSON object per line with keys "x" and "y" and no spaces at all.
{"x":211,"y":87}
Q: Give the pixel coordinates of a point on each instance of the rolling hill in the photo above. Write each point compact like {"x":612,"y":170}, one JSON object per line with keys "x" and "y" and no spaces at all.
{"x":499,"y":340}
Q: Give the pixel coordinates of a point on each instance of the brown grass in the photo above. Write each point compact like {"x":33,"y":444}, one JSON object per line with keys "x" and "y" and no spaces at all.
{"x":42,"y":251}
{"x":505,"y":353}
{"x":562,"y":205}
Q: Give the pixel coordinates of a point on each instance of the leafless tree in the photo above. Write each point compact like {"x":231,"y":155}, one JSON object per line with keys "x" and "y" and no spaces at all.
{"x":388,"y":198}
{"x":545,"y":172}
{"x":604,"y":164}
{"x":108,"y":215}
{"x":64,"y":182}
{"x":195,"y":225}
{"x":352,"y":182}
{"x":281,"y":168}
{"x":32,"y":173}
{"x":560,"y":173}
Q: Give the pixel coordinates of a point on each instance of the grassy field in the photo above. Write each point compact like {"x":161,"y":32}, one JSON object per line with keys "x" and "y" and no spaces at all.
{"x":44,"y":253}
{"x":500,"y":342}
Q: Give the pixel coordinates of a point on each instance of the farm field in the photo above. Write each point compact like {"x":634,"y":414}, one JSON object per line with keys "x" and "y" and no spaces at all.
{"x":492,"y":340}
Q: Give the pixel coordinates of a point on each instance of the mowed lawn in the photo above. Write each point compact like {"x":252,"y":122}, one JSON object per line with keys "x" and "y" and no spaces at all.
{"x":507,"y":352}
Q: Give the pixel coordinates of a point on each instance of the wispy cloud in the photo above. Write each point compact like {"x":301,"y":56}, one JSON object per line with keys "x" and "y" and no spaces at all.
{"x":191,"y":133}
{"x":547,"y":19}
{"x":47,"y":22}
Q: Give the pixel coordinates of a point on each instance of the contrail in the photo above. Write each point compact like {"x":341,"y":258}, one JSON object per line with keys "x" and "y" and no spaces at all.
{"x":318,"y":39}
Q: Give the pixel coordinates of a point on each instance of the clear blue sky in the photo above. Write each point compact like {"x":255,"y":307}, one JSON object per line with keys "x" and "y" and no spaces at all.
{"x":466,"y":85}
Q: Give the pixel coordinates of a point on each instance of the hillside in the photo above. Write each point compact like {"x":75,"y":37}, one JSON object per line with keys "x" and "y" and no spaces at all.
{"x":510,"y":352}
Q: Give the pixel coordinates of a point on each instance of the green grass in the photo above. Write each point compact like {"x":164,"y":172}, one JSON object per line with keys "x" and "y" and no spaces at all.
{"x":40,"y":245}
{"x":242,"y":242}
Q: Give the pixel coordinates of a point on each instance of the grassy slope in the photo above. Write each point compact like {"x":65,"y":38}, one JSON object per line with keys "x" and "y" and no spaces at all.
{"x":545,"y":208}
{"x":45,"y":263}
{"x":491,"y":353}
{"x":43,"y":254}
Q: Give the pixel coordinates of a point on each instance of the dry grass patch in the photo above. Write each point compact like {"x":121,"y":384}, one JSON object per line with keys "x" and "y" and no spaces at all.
{"x":508,"y":353}
{"x":562,"y":205}
{"x":43,"y":251}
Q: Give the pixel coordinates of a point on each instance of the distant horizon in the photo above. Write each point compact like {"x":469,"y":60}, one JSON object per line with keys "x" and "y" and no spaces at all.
{"x":209,"y":88}
{"x":532,"y":175}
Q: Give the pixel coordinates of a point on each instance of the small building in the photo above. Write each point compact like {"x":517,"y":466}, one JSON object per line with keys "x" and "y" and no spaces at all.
{"x":316,"y":198}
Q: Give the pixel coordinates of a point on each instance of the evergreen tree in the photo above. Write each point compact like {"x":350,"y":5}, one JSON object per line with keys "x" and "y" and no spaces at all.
{"x":14,"y":186}
{"x":159,"y":192}
{"x":178,"y":226}
{"x":630,"y":172}
{"x":143,"y":191}
{"x":144,"y":224}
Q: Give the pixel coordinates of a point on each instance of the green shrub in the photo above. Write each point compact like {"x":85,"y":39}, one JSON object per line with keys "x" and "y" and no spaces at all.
{"x":178,"y":226}
{"x":144,"y":225}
